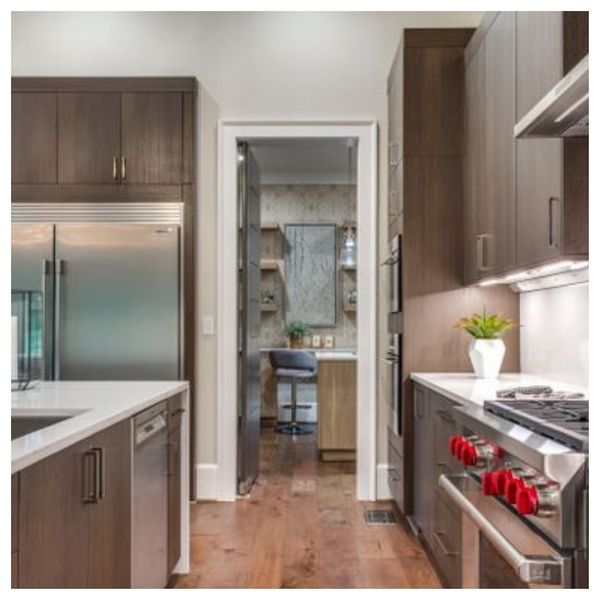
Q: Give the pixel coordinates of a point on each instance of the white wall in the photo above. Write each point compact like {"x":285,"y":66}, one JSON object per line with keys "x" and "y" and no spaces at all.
{"x":254,"y":66}
{"x":554,"y":336}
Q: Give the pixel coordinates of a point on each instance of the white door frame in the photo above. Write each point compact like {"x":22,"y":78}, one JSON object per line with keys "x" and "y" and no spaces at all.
{"x":230,"y":132}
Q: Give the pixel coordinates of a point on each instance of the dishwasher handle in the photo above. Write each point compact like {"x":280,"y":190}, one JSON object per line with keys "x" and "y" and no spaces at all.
{"x":150,"y":427}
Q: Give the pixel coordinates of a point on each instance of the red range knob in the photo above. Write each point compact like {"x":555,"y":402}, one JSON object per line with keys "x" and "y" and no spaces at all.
{"x":502,"y":477}
{"x":489,"y":483}
{"x":511,"y":487}
{"x":468,"y":454}
{"x":454,"y":440}
{"x":527,"y":500}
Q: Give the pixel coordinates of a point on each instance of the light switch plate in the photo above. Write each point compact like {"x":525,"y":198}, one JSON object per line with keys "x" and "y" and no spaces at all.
{"x":208,"y":325}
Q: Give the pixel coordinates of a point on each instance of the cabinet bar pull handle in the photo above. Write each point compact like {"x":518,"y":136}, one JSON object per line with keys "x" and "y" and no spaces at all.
{"x":444,"y":415}
{"x":551,"y":241}
{"x":90,"y":497}
{"x":115,"y":171}
{"x":123,"y":168}
{"x":100,"y":473}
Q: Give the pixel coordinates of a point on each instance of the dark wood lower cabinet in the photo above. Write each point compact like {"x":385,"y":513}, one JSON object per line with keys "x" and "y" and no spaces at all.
{"x":53,"y":522}
{"x":438,"y":520}
{"x":75,"y":515}
{"x":174,"y":498}
{"x":109,"y":540}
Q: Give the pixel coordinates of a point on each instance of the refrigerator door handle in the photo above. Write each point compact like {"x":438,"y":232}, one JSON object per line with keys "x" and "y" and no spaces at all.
{"x":59,"y":271}
{"x":47,"y":318}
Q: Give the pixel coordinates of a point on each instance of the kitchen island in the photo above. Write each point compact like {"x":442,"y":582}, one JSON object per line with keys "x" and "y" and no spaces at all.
{"x":73,"y":479}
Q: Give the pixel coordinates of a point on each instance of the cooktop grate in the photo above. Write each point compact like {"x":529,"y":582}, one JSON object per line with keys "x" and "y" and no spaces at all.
{"x":566,"y":421}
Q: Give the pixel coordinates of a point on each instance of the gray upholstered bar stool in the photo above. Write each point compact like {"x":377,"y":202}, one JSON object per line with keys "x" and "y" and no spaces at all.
{"x":293,"y":367}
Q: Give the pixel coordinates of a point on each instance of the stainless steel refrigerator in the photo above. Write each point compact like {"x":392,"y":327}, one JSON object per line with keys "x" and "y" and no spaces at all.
{"x":108,"y":280}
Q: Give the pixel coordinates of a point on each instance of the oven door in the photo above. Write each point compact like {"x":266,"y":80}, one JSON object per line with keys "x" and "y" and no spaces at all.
{"x":499,"y":549}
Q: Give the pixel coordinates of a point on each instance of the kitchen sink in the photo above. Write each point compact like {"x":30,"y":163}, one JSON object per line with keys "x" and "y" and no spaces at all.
{"x":22,"y":425}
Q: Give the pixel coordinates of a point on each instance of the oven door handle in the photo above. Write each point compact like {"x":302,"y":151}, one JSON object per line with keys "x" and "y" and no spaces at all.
{"x":531,"y":569}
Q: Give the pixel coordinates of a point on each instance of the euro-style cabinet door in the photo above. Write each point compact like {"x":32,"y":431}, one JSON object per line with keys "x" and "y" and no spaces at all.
{"x":474,"y":167}
{"x":539,"y":162}
{"x":53,"y":521}
{"x":174,"y":497}
{"x":33,"y":138}
{"x":109,"y":559}
{"x":423,"y":457}
{"x":88,"y":137}
{"x":151,"y":138}
{"x":498,"y":244}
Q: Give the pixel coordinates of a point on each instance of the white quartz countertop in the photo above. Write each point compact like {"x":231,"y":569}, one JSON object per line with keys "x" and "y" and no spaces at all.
{"x":92,"y":406}
{"x":465,"y":388}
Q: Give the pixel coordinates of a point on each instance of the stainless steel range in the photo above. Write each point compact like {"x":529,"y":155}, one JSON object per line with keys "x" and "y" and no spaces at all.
{"x":523,"y":491}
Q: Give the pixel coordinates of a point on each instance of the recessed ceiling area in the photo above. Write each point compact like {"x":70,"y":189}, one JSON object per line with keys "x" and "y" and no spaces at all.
{"x":306,"y":161}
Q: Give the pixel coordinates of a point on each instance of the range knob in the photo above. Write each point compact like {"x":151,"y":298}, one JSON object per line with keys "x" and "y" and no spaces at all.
{"x":511,"y":486}
{"x":454,"y":443}
{"x":489,"y":483}
{"x":527,"y":500}
{"x":494,"y":482}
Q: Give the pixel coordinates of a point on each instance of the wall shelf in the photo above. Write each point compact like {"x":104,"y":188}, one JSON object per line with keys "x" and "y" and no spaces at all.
{"x":349,"y":268}
{"x":269,"y":307}
{"x":349,"y":308}
{"x":269,"y":265}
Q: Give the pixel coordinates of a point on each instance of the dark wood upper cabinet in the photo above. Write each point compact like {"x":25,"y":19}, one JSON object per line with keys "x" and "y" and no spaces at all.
{"x":88,"y":137}
{"x":33,"y":138}
{"x":53,"y":522}
{"x":498,"y":245}
{"x":109,"y":559}
{"x":151,"y":138}
{"x":476,"y":218}
{"x":531,"y":207}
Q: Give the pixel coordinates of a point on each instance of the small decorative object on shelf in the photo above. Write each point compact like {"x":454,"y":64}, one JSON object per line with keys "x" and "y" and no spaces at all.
{"x":486,"y":349}
{"x":267,"y":298}
{"x":329,"y":341}
{"x":295,"y":332}
{"x":351,"y":296}
{"x":316,"y":341}
{"x":348,"y":253}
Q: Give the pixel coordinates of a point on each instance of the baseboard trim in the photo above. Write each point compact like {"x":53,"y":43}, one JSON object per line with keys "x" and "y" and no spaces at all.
{"x":383,"y":487}
{"x":206,"y":481}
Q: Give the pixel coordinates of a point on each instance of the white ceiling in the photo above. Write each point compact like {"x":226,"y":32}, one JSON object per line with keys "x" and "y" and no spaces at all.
{"x":306,"y":160}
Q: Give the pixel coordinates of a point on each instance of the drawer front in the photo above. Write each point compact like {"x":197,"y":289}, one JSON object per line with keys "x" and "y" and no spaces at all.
{"x":444,"y":427}
{"x":446,"y":543}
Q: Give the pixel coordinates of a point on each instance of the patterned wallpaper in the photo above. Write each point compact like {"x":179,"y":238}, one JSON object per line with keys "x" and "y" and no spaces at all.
{"x":304,"y":204}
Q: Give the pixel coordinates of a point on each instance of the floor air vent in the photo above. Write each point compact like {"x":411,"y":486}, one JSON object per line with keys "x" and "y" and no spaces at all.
{"x":380,"y":517}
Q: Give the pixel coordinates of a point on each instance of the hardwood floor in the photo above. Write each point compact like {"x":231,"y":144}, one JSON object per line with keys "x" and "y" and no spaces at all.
{"x":301,"y":528}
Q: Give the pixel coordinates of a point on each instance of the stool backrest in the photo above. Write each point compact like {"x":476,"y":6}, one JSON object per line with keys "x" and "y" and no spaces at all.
{"x":299,"y":360}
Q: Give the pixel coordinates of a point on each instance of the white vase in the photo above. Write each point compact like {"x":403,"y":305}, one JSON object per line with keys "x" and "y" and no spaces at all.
{"x":486,"y":357}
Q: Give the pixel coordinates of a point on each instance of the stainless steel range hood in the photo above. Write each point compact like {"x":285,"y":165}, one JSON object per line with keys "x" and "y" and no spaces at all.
{"x":563,"y":111}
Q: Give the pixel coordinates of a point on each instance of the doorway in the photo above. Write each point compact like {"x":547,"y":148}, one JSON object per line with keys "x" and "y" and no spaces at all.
{"x":359,"y":140}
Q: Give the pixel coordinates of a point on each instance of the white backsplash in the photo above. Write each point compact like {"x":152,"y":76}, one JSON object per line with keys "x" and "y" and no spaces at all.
{"x":555,"y":333}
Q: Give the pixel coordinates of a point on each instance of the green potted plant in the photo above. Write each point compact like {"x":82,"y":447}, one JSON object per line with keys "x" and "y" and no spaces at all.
{"x":486,"y":349}
{"x":295,"y":332}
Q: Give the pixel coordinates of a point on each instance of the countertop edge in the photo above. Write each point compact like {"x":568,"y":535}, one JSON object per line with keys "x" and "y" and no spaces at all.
{"x":43,"y":452}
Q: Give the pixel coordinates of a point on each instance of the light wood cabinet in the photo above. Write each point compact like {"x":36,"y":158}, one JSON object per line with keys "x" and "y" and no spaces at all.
{"x":75,"y":515}
{"x":336,"y":400}
{"x":33,"y":138}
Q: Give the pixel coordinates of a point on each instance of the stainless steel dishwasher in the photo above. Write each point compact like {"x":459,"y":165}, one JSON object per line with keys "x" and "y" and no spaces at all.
{"x":149,"y":546}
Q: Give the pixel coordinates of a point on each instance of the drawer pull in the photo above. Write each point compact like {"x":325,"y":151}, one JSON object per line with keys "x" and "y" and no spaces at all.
{"x":438,"y":535}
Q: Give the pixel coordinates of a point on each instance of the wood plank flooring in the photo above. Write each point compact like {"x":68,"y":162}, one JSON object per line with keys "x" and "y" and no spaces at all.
{"x":301,"y":527}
